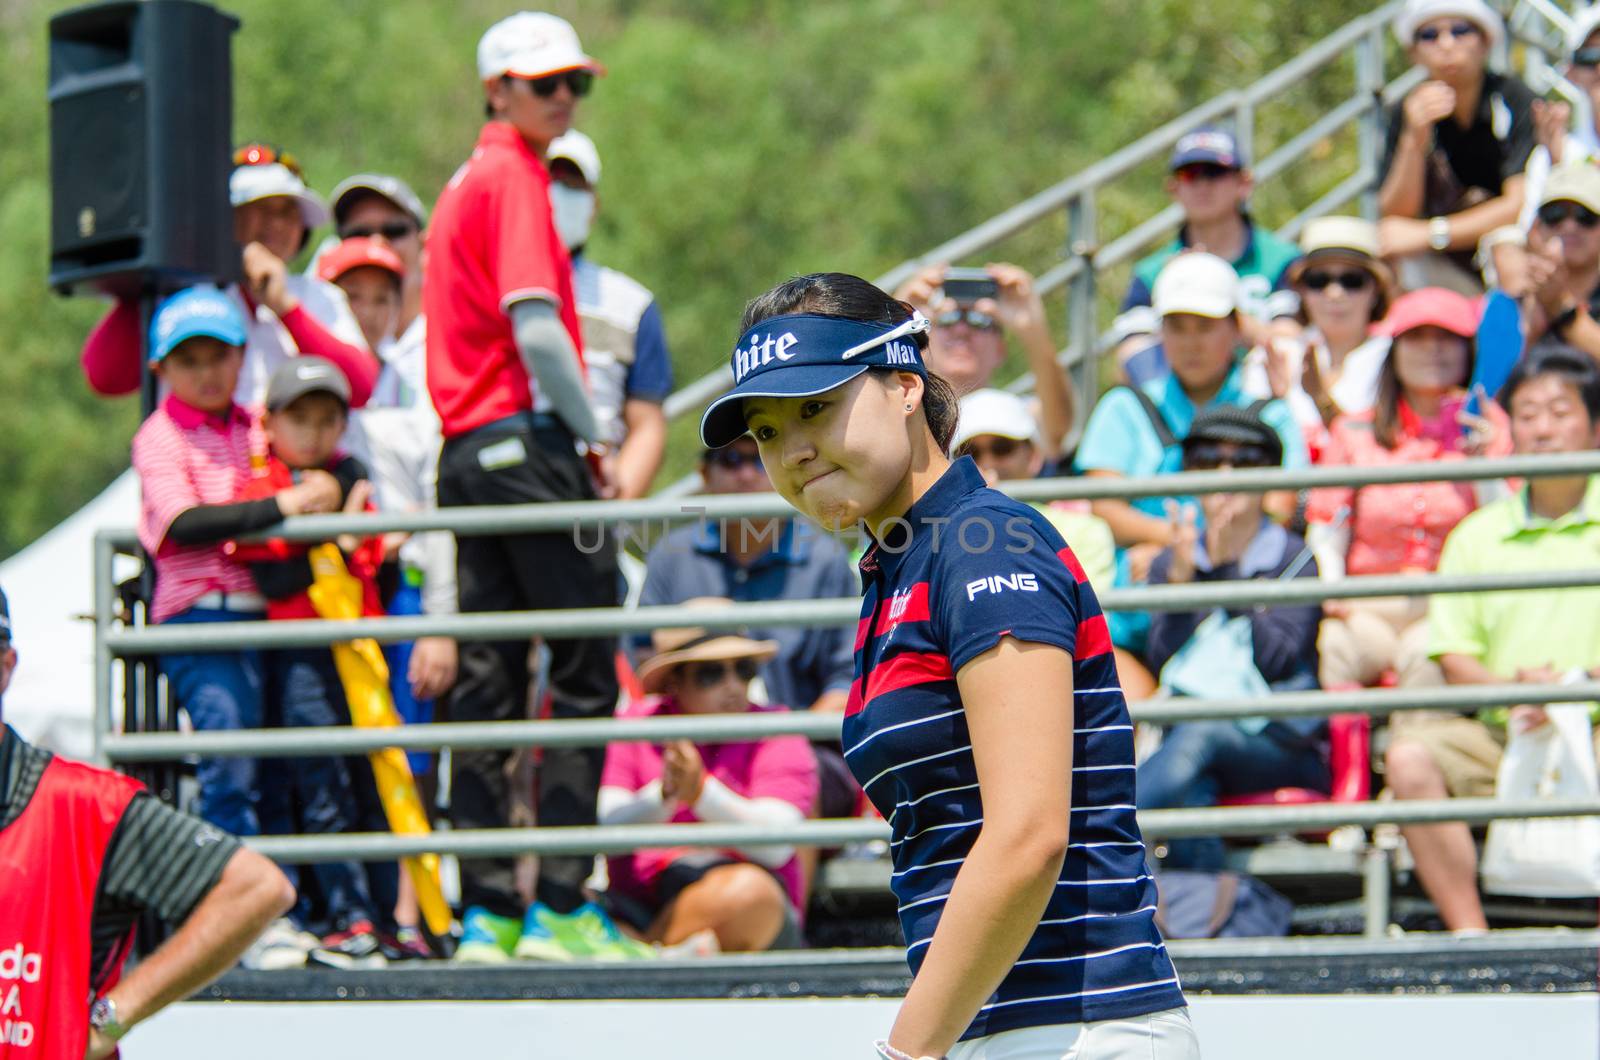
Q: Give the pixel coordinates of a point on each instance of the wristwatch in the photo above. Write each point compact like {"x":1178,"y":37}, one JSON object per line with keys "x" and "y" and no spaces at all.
{"x":103,"y":1018}
{"x":1439,"y":233}
{"x":1562,"y":321}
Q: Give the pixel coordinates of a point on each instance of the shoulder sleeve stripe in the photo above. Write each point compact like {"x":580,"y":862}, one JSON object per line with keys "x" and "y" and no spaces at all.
{"x":1071,"y":563}
{"x":1094,"y":639}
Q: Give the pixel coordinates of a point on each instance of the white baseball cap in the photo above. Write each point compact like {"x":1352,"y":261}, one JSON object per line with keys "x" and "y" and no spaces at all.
{"x":997,"y":412}
{"x":1417,"y":13}
{"x":1584,"y":23}
{"x":1197,"y":283}
{"x":532,"y":44}
{"x":578,"y":149}
{"x":255,"y":181}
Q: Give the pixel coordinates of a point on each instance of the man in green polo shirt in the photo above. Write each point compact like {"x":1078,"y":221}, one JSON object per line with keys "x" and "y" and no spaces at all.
{"x":1210,"y":180}
{"x":1535,"y":637}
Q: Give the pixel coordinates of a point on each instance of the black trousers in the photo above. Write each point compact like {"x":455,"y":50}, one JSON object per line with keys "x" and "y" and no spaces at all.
{"x":527,"y":461}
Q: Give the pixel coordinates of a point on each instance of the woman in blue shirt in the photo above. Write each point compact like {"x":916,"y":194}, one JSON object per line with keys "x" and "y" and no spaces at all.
{"x":985,"y":722}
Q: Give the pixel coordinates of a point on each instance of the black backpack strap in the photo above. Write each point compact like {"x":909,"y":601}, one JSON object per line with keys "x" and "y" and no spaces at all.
{"x":1158,"y":422}
{"x":1257,"y":405}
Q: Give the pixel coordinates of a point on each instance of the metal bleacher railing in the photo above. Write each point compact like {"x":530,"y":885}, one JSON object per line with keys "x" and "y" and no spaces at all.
{"x":1084,"y":257}
{"x":1363,"y":41}
{"x":117,"y":640}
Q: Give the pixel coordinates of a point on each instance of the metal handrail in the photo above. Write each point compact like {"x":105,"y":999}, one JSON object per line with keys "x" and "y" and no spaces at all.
{"x":723,"y":728}
{"x":1058,"y":197}
{"x":841,"y":611}
{"x":1154,"y":824}
{"x":582,"y":515}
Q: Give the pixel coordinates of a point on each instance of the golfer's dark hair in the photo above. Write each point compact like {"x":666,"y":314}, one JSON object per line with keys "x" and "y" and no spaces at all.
{"x":838,"y":294}
{"x":1570,"y":365}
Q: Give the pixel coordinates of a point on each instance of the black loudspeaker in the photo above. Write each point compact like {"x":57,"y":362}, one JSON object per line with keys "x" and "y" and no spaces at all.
{"x":141,"y":135}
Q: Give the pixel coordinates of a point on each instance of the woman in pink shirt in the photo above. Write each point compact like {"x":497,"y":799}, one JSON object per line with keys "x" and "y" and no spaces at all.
{"x":751,"y":898}
{"x":1419,"y":416}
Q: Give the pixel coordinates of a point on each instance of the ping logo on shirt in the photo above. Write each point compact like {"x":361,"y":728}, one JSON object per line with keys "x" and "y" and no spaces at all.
{"x":996,"y":583}
{"x":761,"y":353}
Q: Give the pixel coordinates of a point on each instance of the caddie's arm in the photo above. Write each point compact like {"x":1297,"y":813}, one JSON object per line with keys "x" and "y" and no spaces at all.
{"x":251,"y":893}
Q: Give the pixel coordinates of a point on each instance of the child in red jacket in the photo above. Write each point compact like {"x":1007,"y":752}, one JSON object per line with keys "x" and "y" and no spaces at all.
{"x":308,"y":401}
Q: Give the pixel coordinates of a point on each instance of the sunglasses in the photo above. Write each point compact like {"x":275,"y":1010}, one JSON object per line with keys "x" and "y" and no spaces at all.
{"x":1208,"y":456}
{"x":266,"y":155}
{"x":1552,"y":214}
{"x":732,"y":459}
{"x":994,"y":449}
{"x":1319,"y":280}
{"x":390,"y":230}
{"x":712,"y":674}
{"x":1586,"y":57}
{"x":973,"y":318}
{"x":1457,"y":30}
{"x":578,"y":81}
{"x":1203,"y":171}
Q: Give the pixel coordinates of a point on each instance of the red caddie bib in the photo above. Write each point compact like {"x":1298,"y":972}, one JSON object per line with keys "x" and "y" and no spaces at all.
{"x":50,"y":862}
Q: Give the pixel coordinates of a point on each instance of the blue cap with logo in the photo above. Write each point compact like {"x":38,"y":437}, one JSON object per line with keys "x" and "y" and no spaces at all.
{"x":1210,"y":145}
{"x":804,"y":354}
{"x":202,"y":310}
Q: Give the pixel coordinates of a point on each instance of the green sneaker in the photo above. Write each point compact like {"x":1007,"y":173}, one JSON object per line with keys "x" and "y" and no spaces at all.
{"x":587,"y":933}
{"x":600,"y":937}
{"x":486,"y":938}
{"x":545,"y":936}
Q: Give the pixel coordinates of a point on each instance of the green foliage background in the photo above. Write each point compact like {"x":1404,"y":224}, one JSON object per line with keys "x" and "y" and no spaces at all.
{"x":743,"y":141}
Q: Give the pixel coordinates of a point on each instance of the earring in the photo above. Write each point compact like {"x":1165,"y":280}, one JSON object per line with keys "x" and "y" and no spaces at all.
{"x":908,"y":408}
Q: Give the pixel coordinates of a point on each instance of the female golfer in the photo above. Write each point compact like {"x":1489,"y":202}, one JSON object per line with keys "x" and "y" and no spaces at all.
{"x":985,"y":722}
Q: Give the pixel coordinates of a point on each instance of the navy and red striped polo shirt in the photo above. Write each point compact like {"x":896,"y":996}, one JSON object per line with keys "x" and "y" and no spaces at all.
{"x":974,"y":566}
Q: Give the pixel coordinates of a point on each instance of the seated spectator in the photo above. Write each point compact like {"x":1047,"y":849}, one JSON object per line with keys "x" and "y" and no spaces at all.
{"x":750,"y":897}
{"x":1558,"y":140}
{"x":287,"y":314}
{"x":1333,"y":367}
{"x":1419,"y":417}
{"x":1199,"y":762}
{"x":1455,"y":148}
{"x":384,"y":209}
{"x":625,"y":353}
{"x":307,"y":405}
{"x":968,"y":342}
{"x":1210,"y":180}
{"x":1137,"y":431}
{"x":1000,"y":434}
{"x":1564,"y":260}
{"x":193,"y":458}
{"x":760,"y":560}
{"x":1552,"y":524}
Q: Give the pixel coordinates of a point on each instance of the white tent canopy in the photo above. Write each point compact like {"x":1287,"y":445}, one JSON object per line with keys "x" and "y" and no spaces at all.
{"x":50,"y":589}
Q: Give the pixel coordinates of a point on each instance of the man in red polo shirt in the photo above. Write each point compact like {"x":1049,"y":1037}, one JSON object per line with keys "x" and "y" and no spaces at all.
{"x":505,"y":372}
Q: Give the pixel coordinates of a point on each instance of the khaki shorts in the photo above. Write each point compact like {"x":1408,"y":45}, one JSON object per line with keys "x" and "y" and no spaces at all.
{"x":1466,"y":750}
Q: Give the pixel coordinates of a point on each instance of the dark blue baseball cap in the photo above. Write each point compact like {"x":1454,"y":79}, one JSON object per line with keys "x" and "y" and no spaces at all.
{"x":1210,"y":144}
{"x":5,"y":619}
{"x":804,"y":354}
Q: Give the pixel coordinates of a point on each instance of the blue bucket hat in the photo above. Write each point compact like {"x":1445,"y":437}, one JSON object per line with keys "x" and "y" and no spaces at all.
{"x":804,"y":354}
{"x":200,"y":310}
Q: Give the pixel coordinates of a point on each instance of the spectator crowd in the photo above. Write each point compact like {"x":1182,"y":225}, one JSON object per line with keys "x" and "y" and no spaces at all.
{"x":474,"y":353}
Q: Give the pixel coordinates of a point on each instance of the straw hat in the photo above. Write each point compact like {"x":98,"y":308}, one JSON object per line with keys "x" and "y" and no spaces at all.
{"x":673,"y":647}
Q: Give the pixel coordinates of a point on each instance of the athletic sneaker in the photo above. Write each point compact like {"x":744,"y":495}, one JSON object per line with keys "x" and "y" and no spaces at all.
{"x":357,"y":946}
{"x":486,"y":938}
{"x":407,"y":944}
{"x":281,"y":946}
{"x":587,"y":933}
